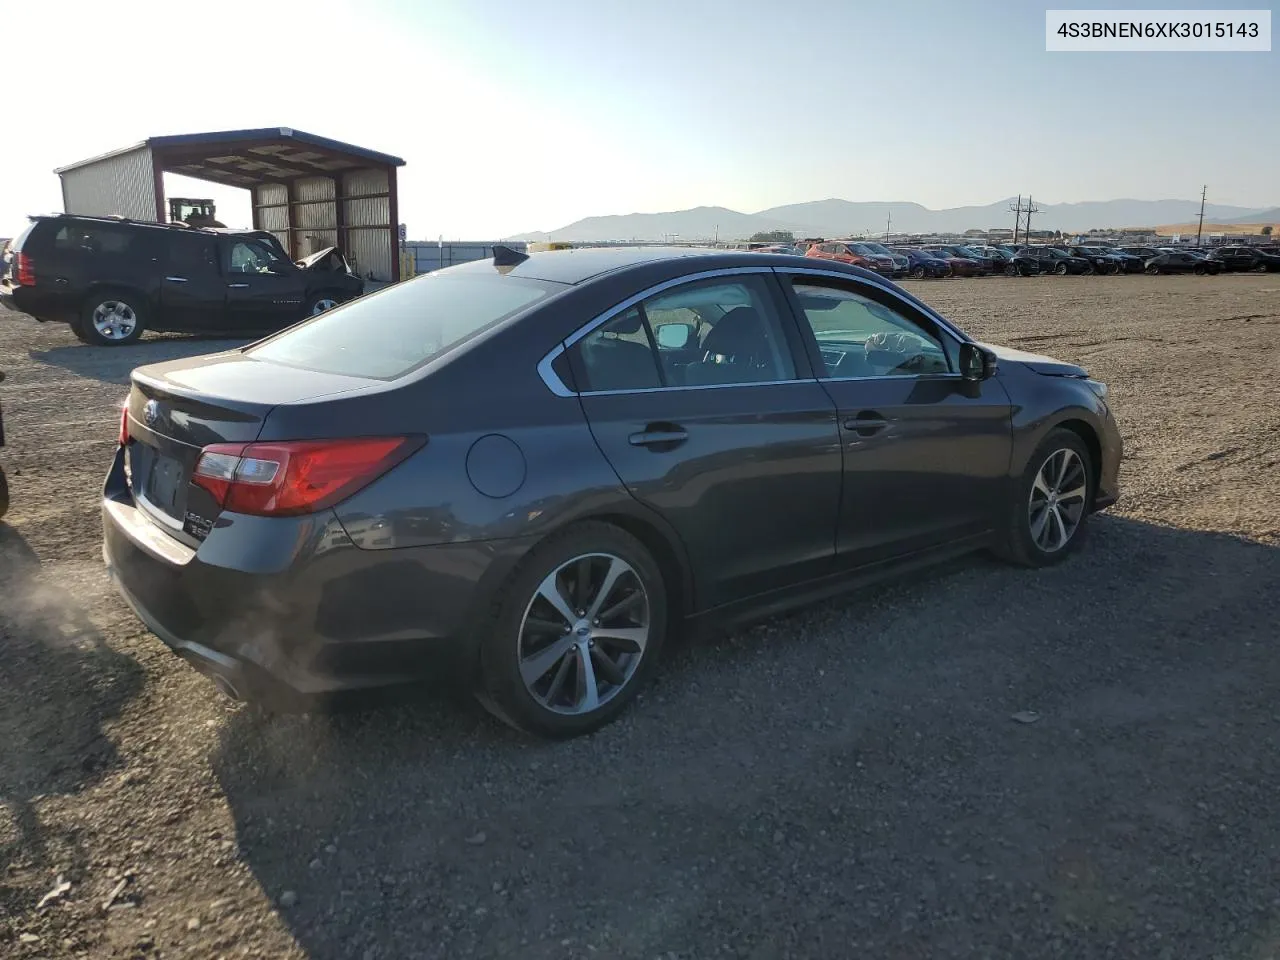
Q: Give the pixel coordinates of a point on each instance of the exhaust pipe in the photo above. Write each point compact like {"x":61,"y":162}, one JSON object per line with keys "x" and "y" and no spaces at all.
{"x":227,"y":687}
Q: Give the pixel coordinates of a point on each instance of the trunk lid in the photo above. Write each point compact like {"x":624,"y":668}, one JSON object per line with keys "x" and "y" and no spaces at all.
{"x":178,"y":408}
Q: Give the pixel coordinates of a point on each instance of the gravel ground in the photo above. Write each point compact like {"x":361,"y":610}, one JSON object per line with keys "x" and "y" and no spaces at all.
{"x":847,"y":781}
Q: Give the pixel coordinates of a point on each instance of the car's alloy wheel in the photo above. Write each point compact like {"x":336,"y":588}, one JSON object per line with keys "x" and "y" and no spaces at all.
{"x":1011,"y":271}
{"x":1057,"y":502}
{"x":109,"y":319}
{"x":1200,"y":271}
{"x":917,"y":273}
{"x":321,"y":304}
{"x":1153,"y":271}
{"x":1061,"y":270}
{"x":574,"y":632}
{"x":584,"y":633}
{"x":114,"y":320}
{"x":1047,"y":516}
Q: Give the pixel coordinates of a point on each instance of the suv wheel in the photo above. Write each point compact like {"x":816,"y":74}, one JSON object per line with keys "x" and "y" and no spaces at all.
{"x":321,"y":303}
{"x":1046,"y":520}
{"x":1061,"y":269}
{"x":110,"y":319}
{"x":574,"y":633}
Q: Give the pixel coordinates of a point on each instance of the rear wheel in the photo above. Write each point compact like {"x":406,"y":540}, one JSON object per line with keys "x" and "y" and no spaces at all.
{"x":1200,"y":270}
{"x":110,"y":318}
{"x":1153,"y":271}
{"x":1061,"y":270}
{"x":917,"y":273}
{"x":1011,"y":271}
{"x":574,"y":633}
{"x":1046,"y":520}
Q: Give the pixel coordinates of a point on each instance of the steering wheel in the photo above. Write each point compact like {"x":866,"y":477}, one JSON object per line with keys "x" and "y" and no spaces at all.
{"x":899,"y":352}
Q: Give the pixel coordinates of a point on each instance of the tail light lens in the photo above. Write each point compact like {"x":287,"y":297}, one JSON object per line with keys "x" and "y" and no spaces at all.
{"x":26,"y":271}
{"x":296,"y":477}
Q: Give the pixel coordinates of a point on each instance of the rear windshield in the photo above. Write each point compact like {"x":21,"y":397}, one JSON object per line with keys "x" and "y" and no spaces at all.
{"x":387,"y":335}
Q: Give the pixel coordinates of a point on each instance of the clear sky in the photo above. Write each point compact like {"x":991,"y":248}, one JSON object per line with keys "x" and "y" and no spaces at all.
{"x":519,"y":115}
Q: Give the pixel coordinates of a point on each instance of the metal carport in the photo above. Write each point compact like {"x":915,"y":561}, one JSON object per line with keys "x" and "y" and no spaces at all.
{"x":308,"y":190}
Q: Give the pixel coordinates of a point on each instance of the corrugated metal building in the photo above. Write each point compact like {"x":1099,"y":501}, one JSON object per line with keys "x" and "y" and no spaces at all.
{"x":310,"y":191}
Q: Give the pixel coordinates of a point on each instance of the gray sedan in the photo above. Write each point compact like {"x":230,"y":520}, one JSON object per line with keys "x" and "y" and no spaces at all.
{"x":528,"y":472}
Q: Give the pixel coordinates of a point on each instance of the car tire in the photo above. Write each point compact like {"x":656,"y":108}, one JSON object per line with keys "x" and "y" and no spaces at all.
{"x":1043,"y":526}
{"x":1061,"y":269}
{"x":917,"y":273}
{"x":1011,"y":271}
{"x":1153,"y":271}
{"x":545,"y":687}
{"x":321,"y":303}
{"x":1201,"y":270}
{"x":110,"y":318}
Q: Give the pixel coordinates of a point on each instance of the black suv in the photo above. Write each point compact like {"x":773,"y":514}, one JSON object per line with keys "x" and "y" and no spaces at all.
{"x":111,"y":278}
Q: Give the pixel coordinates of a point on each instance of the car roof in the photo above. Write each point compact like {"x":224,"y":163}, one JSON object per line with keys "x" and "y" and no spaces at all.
{"x":586,"y":263}
{"x":151,"y":224}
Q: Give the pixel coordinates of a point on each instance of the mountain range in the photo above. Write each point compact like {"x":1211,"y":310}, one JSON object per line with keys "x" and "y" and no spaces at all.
{"x":839,"y":218}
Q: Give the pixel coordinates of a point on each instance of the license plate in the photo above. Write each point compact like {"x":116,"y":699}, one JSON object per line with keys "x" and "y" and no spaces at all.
{"x":165,"y":483}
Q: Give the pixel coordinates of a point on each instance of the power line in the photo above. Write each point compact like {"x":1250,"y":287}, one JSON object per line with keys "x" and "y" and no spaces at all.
{"x":1017,"y":209}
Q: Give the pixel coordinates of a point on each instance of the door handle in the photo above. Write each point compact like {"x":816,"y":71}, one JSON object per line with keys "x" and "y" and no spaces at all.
{"x":176,"y":279}
{"x":866,"y":423}
{"x":237,"y":286}
{"x":657,"y":437}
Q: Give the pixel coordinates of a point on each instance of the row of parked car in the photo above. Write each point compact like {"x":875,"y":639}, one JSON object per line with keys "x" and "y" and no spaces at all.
{"x":1026,"y":260}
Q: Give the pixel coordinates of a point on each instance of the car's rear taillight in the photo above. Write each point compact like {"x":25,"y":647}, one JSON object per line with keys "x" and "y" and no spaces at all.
{"x":295,"y":477}
{"x":24,"y":270}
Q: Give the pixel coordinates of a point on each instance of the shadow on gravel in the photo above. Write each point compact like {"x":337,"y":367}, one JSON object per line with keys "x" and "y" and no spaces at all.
{"x":848,"y":781}
{"x":113,"y":364}
{"x":59,"y":684}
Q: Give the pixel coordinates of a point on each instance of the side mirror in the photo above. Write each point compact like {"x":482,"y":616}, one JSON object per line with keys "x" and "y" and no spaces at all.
{"x":976,"y":363}
{"x":674,"y":336}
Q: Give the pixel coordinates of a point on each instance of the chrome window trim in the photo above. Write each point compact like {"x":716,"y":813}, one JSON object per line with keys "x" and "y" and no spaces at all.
{"x":560,"y":389}
{"x":928,"y":311}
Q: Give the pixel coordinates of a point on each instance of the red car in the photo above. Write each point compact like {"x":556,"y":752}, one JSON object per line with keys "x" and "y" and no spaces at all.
{"x":841,"y":252}
{"x":960,"y":266}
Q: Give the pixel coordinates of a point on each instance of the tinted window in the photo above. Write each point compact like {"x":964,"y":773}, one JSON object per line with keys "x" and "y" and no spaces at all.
{"x":194,"y":254}
{"x":93,"y":238}
{"x":388,"y":334}
{"x":618,"y":355}
{"x":859,"y":337}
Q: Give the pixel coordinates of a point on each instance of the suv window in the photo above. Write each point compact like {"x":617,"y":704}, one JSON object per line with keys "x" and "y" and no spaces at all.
{"x":193,"y":254}
{"x":860,"y":337}
{"x":252,"y":256}
{"x":705,"y":333}
{"x":392,"y":332}
{"x":93,"y":238}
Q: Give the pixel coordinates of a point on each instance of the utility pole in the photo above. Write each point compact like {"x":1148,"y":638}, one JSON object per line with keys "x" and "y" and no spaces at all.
{"x":1204,"y":190}
{"x":887,"y":224}
{"x":1018,"y":210}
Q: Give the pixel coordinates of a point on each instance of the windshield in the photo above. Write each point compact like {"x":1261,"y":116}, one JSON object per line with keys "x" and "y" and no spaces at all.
{"x":878,"y":248}
{"x":861,"y":248}
{"x":388,"y":334}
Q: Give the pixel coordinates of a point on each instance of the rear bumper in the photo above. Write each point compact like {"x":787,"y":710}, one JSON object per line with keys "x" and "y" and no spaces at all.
{"x":289,"y":609}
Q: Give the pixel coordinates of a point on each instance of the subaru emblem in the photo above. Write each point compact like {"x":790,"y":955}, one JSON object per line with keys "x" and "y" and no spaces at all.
{"x":151,"y":413}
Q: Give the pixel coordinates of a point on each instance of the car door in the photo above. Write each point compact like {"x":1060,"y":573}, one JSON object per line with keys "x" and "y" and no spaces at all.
{"x":737,"y":449}
{"x":264,"y":290}
{"x":926,"y":453}
{"x":193,"y":294}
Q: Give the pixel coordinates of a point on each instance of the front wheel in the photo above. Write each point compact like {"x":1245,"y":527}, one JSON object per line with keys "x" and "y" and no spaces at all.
{"x":1011,"y":271}
{"x":1047,"y":518}
{"x":574,"y":633}
{"x":110,"y":319}
{"x":1061,"y":270}
{"x":1200,"y":271}
{"x":1153,"y":271}
{"x":917,"y":273}
{"x":321,"y":303}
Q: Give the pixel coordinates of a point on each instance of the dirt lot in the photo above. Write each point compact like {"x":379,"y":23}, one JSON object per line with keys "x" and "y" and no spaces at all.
{"x":847,"y":781}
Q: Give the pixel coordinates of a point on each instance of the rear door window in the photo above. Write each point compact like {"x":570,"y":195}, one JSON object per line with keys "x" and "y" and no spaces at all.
{"x":192,"y":255}
{"x":391,"y":333}
{"x":95,"y":239}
